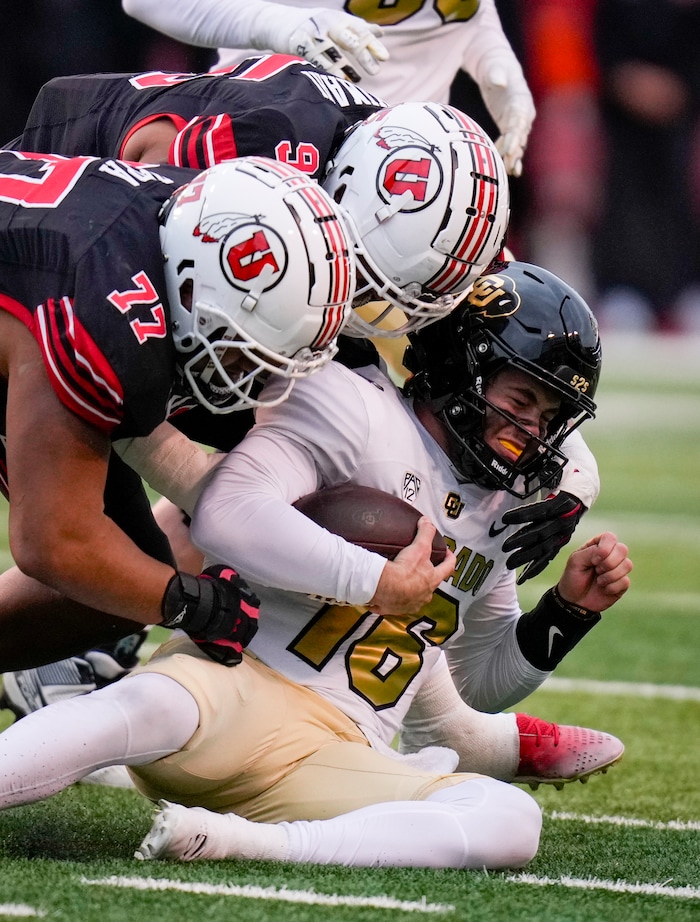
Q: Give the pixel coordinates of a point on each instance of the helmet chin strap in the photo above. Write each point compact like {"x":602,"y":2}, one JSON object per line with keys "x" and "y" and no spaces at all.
{"x":249,"y":303}
{"x":394,"y":207}
{"x":434,"y":426}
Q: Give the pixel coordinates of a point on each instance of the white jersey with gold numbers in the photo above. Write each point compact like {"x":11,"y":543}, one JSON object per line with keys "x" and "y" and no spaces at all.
{"x":340,"y":426}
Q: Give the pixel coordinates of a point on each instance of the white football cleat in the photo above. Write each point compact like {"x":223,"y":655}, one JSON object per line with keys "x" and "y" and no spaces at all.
{"x":186,"y":833}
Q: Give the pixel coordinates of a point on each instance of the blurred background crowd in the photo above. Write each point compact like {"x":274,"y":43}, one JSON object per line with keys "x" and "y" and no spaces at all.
{"x":609,"y":198}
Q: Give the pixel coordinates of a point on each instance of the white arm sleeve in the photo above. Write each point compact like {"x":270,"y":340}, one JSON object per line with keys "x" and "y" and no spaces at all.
{"x":580,"y":475}
{"x":491,"y":62}
{"x":484,"y":39}
{"x":487,"y":665}
{"x":168,"y":461}
{"x":208,"y":23}
{"x":264,"y":26}
{"x":244,"y":516}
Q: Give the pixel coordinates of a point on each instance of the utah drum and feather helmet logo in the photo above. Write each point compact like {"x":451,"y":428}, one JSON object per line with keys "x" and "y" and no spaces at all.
{"x":252,"y":255}
{"x":494,"y":296}
{"x":410,"y":178}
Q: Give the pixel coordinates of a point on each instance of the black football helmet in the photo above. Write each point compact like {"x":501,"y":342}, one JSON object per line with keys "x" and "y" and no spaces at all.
{"x":517,"y":315}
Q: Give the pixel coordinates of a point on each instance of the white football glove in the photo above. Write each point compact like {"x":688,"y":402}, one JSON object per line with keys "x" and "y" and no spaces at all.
{"x":323,"y":37}
{"x":491,"y":62}
{"x":509,"y":101}
{"x":337,"y":42}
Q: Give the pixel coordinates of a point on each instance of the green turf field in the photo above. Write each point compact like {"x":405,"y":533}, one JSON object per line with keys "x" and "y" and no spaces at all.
{"x":624,"y":847}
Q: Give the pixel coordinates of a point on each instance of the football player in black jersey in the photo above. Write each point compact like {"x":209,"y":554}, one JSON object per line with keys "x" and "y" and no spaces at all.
{"x":128,"y":293}
{"x":425,"y":189}
{"x":415,"y":255}
{"x":276,"y":106}
{"x":280,"y":106}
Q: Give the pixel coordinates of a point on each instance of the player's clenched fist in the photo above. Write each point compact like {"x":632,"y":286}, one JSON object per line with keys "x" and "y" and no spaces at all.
{"x":216,"y":609}
{"x":597,"y":574}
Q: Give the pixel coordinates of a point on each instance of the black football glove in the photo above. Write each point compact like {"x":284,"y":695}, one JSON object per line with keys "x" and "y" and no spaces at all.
{"x":216,"y":609}
{"x":550,"y":525}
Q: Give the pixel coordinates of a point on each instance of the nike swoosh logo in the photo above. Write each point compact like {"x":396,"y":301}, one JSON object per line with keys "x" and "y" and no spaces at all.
{"x":493,"y":531}
{"x":553,"y":632}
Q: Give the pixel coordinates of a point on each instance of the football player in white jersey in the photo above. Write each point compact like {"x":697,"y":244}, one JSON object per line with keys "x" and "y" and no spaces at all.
{"x":417,"y":179}
{"x":287,"y":756}
{"x":398,"y":52}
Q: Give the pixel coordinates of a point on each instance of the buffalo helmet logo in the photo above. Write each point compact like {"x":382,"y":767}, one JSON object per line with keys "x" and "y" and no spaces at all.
{"x":494,"y":296}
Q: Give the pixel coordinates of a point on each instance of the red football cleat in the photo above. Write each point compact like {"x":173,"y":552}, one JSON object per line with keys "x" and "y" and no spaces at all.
{"x":557,"y":754}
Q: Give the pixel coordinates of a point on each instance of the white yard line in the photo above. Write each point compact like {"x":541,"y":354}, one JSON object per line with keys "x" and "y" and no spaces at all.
{"x":271,"y":893}
{"x":628,"y":821}
{"x":20,"y":910}
{"x":389,"y":903}
{"x":631,"y":689}
{"x":613,"y":886}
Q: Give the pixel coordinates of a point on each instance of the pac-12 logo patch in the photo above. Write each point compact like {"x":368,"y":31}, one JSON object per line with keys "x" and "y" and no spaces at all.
{"x":410,"y":488}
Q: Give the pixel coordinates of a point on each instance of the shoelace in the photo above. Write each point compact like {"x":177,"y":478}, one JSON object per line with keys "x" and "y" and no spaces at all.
{"x":539,"y":728}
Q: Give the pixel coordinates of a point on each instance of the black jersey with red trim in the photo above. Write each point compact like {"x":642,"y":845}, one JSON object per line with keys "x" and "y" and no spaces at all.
{"x":275,"y":106}
{"x":81,"y":266}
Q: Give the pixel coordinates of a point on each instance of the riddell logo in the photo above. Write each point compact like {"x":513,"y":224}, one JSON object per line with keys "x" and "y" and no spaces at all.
{"x":413,"y":170}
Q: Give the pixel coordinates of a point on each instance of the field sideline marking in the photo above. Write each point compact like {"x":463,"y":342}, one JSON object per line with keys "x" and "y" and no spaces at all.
{"x":614,"y":886}
{"x":634,"y":689}
{"x":18,"y":909}
{"x":675,"y":825}
{"x":270,"y":893}
{"x":650,"y":527}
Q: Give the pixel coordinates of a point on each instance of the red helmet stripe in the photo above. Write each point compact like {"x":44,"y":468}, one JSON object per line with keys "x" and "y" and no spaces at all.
{"x":478,"y":230}
{"x":451,"y":274}
{"x":332,"y":325}
{"x":278,"y":168}
{"x":336,"y":243}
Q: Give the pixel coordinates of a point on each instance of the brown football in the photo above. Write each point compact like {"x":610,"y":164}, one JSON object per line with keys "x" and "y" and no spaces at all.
{"x":368,"y":517}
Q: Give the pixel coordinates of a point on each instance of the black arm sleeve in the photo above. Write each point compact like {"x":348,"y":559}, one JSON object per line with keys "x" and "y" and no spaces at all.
{"x":552,"y":629}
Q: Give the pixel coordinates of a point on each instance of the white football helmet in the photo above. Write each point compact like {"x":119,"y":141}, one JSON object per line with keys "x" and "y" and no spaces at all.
{"x":260,"y":276}
{"x":428,"y":198}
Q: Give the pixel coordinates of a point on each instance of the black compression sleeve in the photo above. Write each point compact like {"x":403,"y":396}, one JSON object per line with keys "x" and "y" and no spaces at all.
{"x":552,"y":629}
